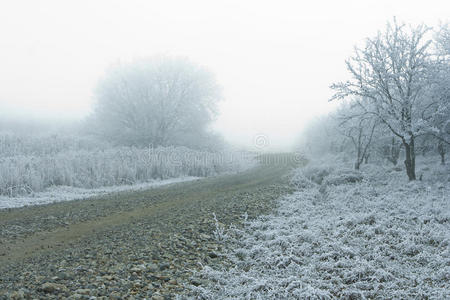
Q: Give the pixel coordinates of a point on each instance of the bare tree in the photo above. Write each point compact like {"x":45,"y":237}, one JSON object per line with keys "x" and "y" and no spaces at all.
{"x":443,"y":39}
{"x":389,"y":77}
{"x":439,"y":119}
{"x":436,"y":111}
{"x":391,"y":151}
{"x":359,"y":128}
{"x":321,"y":136}
{"x":155,"y":101}
{"x":436,"y":117}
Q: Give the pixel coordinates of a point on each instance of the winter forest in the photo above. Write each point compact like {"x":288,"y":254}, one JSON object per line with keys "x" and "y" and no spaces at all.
{"x":175,"y":182}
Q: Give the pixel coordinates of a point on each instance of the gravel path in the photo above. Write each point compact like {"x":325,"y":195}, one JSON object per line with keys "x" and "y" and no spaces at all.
{"x":135,"y":245}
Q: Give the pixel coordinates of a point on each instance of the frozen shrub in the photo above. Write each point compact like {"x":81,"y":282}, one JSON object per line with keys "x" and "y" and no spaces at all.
{"x":397,"y":169}
{"x":316,"y":174}
{"x":343,"y":177}
{"x":300,"y":181}
{"x":441,"y":173}
{"x":325,"y":174}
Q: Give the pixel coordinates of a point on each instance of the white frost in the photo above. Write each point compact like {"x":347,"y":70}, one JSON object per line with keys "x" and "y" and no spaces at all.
{"x":380,"y":237}
{"x":67,"y":193}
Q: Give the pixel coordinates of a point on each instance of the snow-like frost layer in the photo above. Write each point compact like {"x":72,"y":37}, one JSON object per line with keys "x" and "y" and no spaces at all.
{"x":381,"y":237}
{"x":67,"y":193}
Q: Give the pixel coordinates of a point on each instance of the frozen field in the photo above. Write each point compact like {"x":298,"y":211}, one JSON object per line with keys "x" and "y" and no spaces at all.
{"x":344,"y":234}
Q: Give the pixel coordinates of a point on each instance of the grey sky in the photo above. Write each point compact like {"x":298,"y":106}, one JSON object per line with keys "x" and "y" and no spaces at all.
{"x":274,"y":59}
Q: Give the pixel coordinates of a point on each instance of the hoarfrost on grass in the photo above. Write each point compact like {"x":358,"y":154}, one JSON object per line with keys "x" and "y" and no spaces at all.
{"x":46,"y":169}
{"x":344,"y":234}
{"x":68,"y":193}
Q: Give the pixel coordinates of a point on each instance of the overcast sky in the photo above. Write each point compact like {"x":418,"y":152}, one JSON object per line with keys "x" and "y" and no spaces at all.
{"x":274,"y":59}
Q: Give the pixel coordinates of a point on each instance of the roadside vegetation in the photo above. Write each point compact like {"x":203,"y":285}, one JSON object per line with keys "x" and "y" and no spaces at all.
{"x":30,"y":165}
{"x":342,"y":234}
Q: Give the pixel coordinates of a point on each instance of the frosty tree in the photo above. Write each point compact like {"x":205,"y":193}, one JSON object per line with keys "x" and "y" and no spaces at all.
{"x":443,"y":39}
{"x":155,"y":101}
{"x":359,"y":128}
{"x":437,"y":113}
{"x":388,"y":147}
{"x":322,"y":136}
{"x":389,"y":78}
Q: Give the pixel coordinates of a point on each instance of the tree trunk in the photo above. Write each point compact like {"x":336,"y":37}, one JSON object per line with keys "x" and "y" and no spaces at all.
{"x":366,"y":158}
{"x":441,"y":151}
{"x":395,"y":152}
{"x":392,"y":152}
{"x":410,"y":159}
{"x":358,"y":157}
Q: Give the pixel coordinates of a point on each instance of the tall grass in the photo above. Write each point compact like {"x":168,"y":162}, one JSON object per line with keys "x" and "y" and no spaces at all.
{"x":34,"y":167}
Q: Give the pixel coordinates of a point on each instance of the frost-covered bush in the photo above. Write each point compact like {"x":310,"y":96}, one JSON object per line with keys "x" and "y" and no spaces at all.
{"x":323,"y":174}
{"x":316,"y":173}
{"x":343,"y":177}
{"x":25,"y":174}
{"x":300,"y":180}
{"x":436,"y":173}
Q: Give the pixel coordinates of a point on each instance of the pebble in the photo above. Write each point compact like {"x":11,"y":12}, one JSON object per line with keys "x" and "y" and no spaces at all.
{"x":17,"y":295}
{"x":164,"y":266}
{"x":83,"y":291}
{"x":50,"y":287}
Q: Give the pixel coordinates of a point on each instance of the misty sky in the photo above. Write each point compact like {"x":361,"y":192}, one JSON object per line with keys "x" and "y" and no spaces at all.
{"x":274,"y":59}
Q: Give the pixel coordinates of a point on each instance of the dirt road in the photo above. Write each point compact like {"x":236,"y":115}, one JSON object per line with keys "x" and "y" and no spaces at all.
{"x":139,"y":244}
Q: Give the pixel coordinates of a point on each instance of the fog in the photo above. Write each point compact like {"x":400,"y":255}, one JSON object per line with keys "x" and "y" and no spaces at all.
{"x":232,"y":149}
{"x":274,"y":60}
